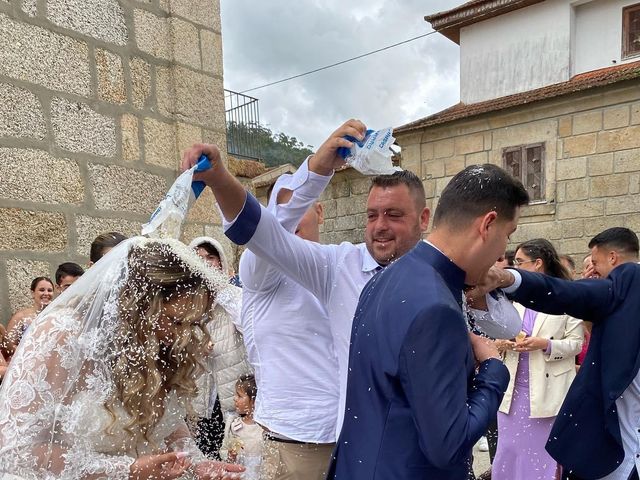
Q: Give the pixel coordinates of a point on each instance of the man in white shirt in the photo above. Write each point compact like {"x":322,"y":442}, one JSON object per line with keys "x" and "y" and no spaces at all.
{"x":334,"y":274}
{"x":290,"y":346}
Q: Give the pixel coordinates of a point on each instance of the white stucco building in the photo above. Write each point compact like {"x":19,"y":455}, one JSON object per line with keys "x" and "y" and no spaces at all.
{"x":549,"y":90}
{"x":511,"y":47}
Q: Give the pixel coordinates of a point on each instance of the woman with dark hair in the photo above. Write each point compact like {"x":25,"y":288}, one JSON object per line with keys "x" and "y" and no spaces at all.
{"x":42,"y":294}
{"x":102,"y":244}
{"x":541,"y":362}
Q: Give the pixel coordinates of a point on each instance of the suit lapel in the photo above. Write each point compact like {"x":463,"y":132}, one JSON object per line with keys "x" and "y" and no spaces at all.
{"x":537,"y":325}
{"x":540,"y":318}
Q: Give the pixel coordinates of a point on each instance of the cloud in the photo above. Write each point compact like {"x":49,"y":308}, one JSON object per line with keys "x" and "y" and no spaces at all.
{"x":267,"y":41}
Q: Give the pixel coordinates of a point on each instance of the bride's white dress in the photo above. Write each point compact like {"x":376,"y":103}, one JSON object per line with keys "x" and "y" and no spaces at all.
{"x":53,"y":419}
{"x":47,"y":432}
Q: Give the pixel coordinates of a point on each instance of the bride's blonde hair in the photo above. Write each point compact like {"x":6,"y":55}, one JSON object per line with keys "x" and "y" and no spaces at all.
{"x":144,"y":370}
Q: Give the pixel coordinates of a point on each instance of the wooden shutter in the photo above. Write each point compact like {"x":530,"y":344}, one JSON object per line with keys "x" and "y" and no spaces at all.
{"x":631,"y":31}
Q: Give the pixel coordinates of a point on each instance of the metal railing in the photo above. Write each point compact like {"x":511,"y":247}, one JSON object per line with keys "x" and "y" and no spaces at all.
{"x":243,"y":125}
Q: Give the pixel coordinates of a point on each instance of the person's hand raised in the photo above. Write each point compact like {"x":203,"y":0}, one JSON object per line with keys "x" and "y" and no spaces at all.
{"x":327,"y":159}
{"x":590,"y":272}
{"x":191,"y":156}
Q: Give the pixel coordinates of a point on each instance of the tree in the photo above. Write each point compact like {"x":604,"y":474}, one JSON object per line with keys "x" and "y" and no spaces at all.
{"x":258,"y":141}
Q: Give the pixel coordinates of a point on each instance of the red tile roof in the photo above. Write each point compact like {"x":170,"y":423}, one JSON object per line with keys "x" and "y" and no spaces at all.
{"x":450,"y":22}
{"x":584,"y":81}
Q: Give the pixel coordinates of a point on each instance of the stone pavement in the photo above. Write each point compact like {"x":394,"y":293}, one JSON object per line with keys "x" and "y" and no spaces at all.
{"x":481,"y":461}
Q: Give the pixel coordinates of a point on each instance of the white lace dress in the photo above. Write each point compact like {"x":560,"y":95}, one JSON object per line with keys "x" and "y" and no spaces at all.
{"x":53,"y":420}
{"x":48,"y":431}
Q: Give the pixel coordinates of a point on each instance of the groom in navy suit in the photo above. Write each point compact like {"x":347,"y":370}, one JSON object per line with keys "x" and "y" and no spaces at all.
{"x":415,"y":403}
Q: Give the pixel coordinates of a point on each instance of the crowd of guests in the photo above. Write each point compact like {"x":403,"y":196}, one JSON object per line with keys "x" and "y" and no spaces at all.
{"x":542,"y":360}
{"x":391,"y":358}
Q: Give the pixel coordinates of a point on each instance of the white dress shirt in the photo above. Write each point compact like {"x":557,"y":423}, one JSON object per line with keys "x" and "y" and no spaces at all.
{"x":628,"y":405}
{"x":289,"y":341}
{"x":334,"y":274}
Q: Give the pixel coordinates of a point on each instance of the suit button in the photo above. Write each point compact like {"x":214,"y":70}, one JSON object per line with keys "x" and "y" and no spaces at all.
{"x":550,"y":338}
{"x":547,"y":375}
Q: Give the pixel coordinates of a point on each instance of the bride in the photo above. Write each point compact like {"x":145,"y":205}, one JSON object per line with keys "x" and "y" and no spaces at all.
{"x":101,"y":384}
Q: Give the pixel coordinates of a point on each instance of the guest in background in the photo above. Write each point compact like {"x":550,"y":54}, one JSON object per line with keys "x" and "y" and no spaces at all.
{"x":42,"y":294}
{"x":569,"y":264}
{"x":243,"y":436}
{"x":541,"y":364}
{"x":66,"y":274}
{"x":102,"y":244}
{"x":588,"y":270}
{"x":227,"y":359}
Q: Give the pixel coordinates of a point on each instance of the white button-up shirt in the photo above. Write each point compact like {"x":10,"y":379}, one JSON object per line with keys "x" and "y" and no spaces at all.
{"x":628,"y":406}
{"x":288,"y":338}
{"x":334,"y":274}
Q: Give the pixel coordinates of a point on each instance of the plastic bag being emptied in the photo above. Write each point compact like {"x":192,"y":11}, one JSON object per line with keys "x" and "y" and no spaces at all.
{"x":371,"y":156}
{"x":166,"y":221}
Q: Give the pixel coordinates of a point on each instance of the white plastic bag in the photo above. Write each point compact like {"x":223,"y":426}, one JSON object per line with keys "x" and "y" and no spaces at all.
{"x":372,"y":156}
{"x":166,"y":221}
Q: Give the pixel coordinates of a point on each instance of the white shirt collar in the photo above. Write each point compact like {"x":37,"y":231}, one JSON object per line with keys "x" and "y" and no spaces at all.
{"x":369,"y":264}
{"x":429,"y":243}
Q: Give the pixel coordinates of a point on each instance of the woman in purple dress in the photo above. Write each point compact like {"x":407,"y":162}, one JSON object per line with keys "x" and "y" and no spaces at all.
{"x":541,"y":361}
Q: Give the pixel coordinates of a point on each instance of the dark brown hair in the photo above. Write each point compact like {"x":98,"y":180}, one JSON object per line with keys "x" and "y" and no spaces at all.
{"x":68,"y":269}
{"x":105,"y":240}
{"x":620,"y":239}
{"x":478,"y":190}
{"x":247,"y":384}
{"x":545,"y":251}
{"x":37,"y":280}
{"x":403,"y":177}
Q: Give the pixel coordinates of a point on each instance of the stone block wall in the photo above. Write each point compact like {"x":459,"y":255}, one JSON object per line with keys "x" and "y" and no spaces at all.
{"x":592,"y":161}
{"x":97,"y":99}
{"x":344,"y":202}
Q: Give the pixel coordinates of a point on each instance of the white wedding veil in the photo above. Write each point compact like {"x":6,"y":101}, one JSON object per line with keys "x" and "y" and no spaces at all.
{"x":53,"y":396}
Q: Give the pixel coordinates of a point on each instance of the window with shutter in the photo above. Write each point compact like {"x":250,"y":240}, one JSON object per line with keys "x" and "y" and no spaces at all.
{"x":631,"y":31}
{"x":526,"y":163}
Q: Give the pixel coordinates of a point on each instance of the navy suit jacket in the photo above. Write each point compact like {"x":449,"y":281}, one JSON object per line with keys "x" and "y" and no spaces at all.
{"x":414,"y":406}
{"x":585,"y":438}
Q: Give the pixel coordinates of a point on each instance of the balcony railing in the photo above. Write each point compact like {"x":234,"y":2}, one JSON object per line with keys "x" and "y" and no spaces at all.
{"x":243,"y":123}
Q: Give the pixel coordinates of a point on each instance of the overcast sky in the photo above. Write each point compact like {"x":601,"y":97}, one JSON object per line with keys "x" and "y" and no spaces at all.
{"x":269,"y":40}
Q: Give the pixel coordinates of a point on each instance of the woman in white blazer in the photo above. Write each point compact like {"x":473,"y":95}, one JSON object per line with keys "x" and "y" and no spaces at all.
{"x":542,"y":367}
